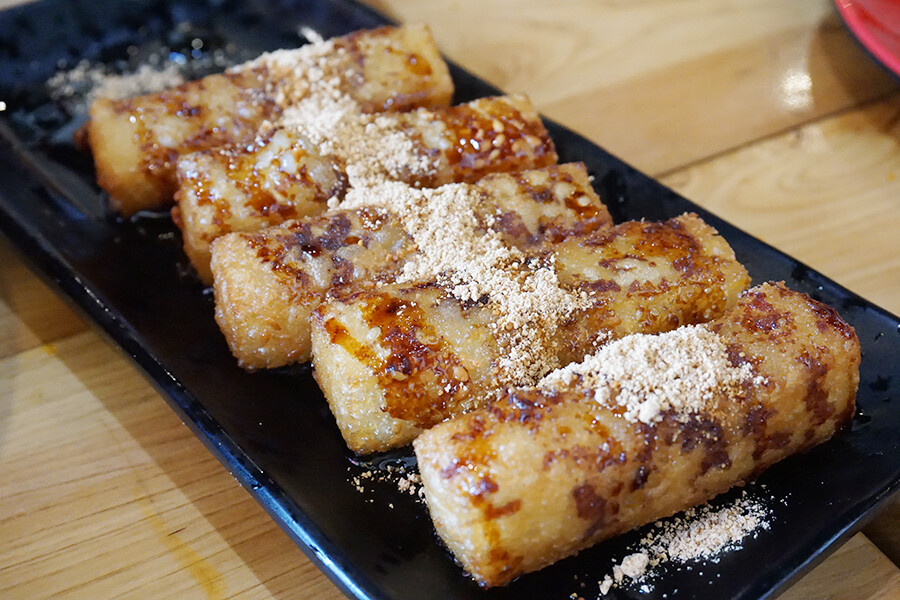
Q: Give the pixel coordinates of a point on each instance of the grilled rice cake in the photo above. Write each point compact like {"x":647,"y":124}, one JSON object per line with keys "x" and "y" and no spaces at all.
{"x":283,"y":175}
{"x":267,"y":283}
{"x":136,"y":142}
{"x":547,"y":471}
{"x":397,"y":360}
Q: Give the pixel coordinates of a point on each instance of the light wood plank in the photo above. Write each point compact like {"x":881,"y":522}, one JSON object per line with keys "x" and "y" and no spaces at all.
{"x":884,"y":530}
{"x":857,"y":570}
{"x":106,"y":494}
{"x":661,"y":84}
{"x":825,"y":194}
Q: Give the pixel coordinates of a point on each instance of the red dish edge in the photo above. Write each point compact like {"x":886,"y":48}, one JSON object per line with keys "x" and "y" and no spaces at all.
{"x":876,"y":24}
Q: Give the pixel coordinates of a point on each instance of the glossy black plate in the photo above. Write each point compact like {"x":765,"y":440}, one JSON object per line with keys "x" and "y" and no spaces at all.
{"x":273,"y":431}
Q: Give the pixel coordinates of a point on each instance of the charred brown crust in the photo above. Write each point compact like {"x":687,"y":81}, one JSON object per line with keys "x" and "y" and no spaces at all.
{"x":615,"y":474}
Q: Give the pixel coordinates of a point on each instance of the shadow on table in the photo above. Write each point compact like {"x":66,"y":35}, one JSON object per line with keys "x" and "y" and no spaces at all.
{"x":275,"y":561}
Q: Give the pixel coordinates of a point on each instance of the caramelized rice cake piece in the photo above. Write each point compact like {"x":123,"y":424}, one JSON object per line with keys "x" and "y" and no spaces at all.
{"x":399,"y":359}
{"x":267,"y":283}
{"x":136,"y":142}
{"x":647,"y":427}
{"x":283,"y":175}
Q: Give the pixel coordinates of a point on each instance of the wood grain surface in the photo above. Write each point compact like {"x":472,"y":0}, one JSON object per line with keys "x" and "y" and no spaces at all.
{"x":767,"y":112}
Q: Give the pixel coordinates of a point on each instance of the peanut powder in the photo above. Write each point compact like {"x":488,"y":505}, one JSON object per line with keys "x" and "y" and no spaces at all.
{"x":699,"y":534}
{"x":451,"y":227}
{"x":91,"y":81}
{"x":384,"y":147}
{"x":407,"y":480}
{"x":703,"y":532}
{"x":309,"y":84}
{"x":312,"y":88}
{"x":373,"y":148}
{"x":295,"y":74}
{"x":682,"y":371}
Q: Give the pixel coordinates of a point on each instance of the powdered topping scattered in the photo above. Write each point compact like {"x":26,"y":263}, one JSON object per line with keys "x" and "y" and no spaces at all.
{"x":712,"y":532}
{"x":700,"y":534}
{"x":310,"y":83}
{"x":374,"y":148}
{"x":451,"y":226}
{"x":407,"y":480}
{"x":386,"y":148}
{"x":682,"y":371}
{"x":312,"y":87}
{"x":91,"y":81}
{"x":318,"y":69}
{"x":325,"y":118}
{"x":633,"y":566}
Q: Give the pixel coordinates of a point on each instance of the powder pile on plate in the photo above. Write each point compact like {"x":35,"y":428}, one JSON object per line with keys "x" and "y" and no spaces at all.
{"x":700,"y":534}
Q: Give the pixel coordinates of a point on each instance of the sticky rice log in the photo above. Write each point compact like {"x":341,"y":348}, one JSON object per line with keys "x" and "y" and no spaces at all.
{"x":135,"y":142}
{"x":267,"y":283}
{"x":545,"y":472}
{"x":283,"y":175}
{"x":395,"y":361}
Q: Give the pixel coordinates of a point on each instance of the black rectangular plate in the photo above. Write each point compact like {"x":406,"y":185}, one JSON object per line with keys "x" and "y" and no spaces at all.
{"x":273,"y":430}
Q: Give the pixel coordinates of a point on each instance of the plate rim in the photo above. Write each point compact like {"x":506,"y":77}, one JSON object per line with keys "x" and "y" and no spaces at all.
{"x":849,"y":12}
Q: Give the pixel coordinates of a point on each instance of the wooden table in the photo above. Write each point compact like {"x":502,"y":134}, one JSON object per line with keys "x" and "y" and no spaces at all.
{"x":766,"y":112}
